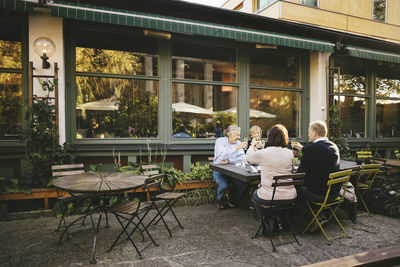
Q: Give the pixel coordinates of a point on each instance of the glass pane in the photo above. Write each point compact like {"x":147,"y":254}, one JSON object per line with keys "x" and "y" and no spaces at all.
{"x":264,"y":3}
{"x":205,"y":111}
{"x":10,"y":105}
{"x":387,"y":87}
{"x":353,"y":114}
{"x":274,"y":70}
{"x":113,"y":108}
{"x":198,"y":62}
{"x":350,"y":84}
{"x":387,"y":118}
{"x":114,"y":61}
{"x":313,"y":3}
{"x":379,"y":12}
{"x":268,"y":108}
{"x":10,"y":54}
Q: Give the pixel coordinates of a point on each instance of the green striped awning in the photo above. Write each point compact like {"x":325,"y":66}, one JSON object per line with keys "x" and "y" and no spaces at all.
{"x":373,"y":54}
{"x":16,"y":5}
{"x":180,"y":25}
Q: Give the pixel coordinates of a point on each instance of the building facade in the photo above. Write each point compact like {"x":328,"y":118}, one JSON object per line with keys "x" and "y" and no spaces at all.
{"x":133,"y":78}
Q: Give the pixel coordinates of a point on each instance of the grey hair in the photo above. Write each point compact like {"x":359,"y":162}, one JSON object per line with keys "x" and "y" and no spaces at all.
{"x":231,"y":129}
{"x":254,"y":128}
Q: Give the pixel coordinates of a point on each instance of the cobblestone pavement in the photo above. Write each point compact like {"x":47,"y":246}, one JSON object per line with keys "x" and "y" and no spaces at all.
{"x":210,"y":238}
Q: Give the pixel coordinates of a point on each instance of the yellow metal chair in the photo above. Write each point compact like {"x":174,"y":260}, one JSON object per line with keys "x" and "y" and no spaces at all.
{"x":316,"y":208}
{"x":364,"y":156}
{"x":397,"y":153}
{"x":366,"y":178}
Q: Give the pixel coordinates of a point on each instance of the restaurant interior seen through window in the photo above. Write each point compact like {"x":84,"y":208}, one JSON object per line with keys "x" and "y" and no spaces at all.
{"x":203,"y":97}
{"x":10,"y":87}
{"x":387,"y":100}
{"x":276,"y":92}
{"x":351,"y":92}
{"x":117,"y":89}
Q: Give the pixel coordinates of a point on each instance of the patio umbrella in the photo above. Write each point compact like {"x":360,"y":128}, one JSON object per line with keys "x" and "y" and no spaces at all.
{"x":188,"y":108}
{"x":103,"y":104}
{"x":254,"y":113}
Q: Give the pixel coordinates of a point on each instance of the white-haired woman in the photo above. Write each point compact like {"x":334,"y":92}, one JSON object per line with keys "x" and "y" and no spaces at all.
{"x":255,"y":133}
{"x":229,"y":149}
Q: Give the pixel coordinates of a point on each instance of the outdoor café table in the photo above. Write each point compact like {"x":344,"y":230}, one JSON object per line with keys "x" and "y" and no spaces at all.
{"x":96,"y":184}
{"x":245,"y":174}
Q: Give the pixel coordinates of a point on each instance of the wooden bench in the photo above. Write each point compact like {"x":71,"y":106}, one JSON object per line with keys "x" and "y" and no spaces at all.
{"x":383,"y":257}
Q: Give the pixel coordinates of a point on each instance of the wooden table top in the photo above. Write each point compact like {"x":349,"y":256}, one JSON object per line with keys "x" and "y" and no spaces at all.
{"x":392,"y":162}
{"x":245,"y":174}
{"x":99,"y":182}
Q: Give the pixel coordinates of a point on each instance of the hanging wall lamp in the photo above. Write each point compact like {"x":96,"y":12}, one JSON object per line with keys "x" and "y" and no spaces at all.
{"x":45,"y":48}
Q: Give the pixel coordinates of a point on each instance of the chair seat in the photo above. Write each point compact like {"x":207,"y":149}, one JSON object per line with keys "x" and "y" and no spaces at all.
{"x":170,"y":195}
{"x":266,"y":206}
{"x":129,"y":207}
{"x":362,"y":186}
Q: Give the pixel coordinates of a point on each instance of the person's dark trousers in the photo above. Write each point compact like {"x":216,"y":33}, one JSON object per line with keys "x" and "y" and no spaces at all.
{"x":305,"y":194}
{"x":259,"y":209}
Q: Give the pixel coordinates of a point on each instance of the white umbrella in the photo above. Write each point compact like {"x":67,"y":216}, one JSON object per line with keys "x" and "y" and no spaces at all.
{"x":188,"y":108}
{"x":254,"y":113}
{"x":103,"y":104}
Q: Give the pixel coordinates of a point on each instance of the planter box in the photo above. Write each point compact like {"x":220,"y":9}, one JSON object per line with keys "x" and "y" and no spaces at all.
{"x":51,"y":192}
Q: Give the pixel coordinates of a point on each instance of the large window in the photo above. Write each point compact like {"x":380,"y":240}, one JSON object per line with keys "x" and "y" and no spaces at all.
{"x":10,"y":81}
{"x":201,"y":109}
{"x":388,"y":100}
{"x":275,"y":93}
{"x":117,"y":89}
{"x":351,"y":93}
{"x":313,"y":3}
{"x":379,"y":10}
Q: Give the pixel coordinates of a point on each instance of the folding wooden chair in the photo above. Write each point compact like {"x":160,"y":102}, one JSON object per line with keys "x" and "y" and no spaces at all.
{"x":131,"y":214}
{"x":366,"y":178}
{"x":169,"y":198}
{"x":271,"y":210}
{"x":335,"y":179}
{"x":65,"y":170}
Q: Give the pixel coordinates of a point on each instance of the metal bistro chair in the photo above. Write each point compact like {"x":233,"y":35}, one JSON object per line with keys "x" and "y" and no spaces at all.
{"x":366,"y":178}
{"x":128,"y":214}
{"x":335,"y":179}
{"x":66,"y":170}
{"x":270,"y":210}
{"x":397,"y":153}
{"x":169,"y":198}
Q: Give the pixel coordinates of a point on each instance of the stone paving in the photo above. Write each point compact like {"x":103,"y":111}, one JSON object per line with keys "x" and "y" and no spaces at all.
{"x":210,"y":238}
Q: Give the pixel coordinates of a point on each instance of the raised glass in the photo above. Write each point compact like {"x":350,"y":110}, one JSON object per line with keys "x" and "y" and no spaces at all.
{"x":200,"y":62}
{"x":10,"y":105}
{"x":353,"y":114}
{"x":387,"y":118}
{"x":205,"y":111}
{"x":274,"y":70}
{"x":116,"y":108}
{"x":269,"y":107}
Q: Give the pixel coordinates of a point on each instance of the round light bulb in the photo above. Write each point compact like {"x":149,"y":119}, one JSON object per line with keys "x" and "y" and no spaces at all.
{"x":44,"y":45}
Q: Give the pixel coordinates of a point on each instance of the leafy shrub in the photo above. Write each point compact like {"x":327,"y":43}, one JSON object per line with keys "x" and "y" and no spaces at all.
{"x":199,"y":172}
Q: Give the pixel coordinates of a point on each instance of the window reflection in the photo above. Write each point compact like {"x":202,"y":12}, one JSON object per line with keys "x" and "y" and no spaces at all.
{"x":10,"y":54}
{"x":379,"y":10}
{"x":353,"y":114}
{"x":274,"y":70}
{"x":112,"y":108}
{"x":387,"y":87}
{"x":387,"y":118}
{"x":205,"y":110}
{"x":198,"y":62}
{"x":313,"y":3}
{"x":114,"y":61}
{"x":268,"y":107}
{"x":350,"y":83}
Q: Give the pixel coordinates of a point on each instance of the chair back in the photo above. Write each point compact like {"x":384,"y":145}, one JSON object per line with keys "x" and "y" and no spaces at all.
{"x":397,"y":153}
{"x":65,"y":170}
{"x":364,"y":156}
{"x":369,"y":172}
{"x":338,"y":178}
{"x":153,"y":179}
{"x":150,"y":170}
{"x":287,"y":180}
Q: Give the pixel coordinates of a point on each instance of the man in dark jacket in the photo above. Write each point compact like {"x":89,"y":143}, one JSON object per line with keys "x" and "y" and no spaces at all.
{"x":320,"y":158}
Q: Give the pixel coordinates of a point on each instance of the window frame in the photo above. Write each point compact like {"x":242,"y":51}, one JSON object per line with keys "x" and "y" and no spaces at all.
{"x":22,"y":23}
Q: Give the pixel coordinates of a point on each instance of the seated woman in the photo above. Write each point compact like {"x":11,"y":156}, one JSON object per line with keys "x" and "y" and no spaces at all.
{"x":274,"y":160}
{"x":255,"y":133}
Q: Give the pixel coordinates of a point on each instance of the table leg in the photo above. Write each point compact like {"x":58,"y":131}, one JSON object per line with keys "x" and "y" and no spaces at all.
{"x":93,"y":261}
